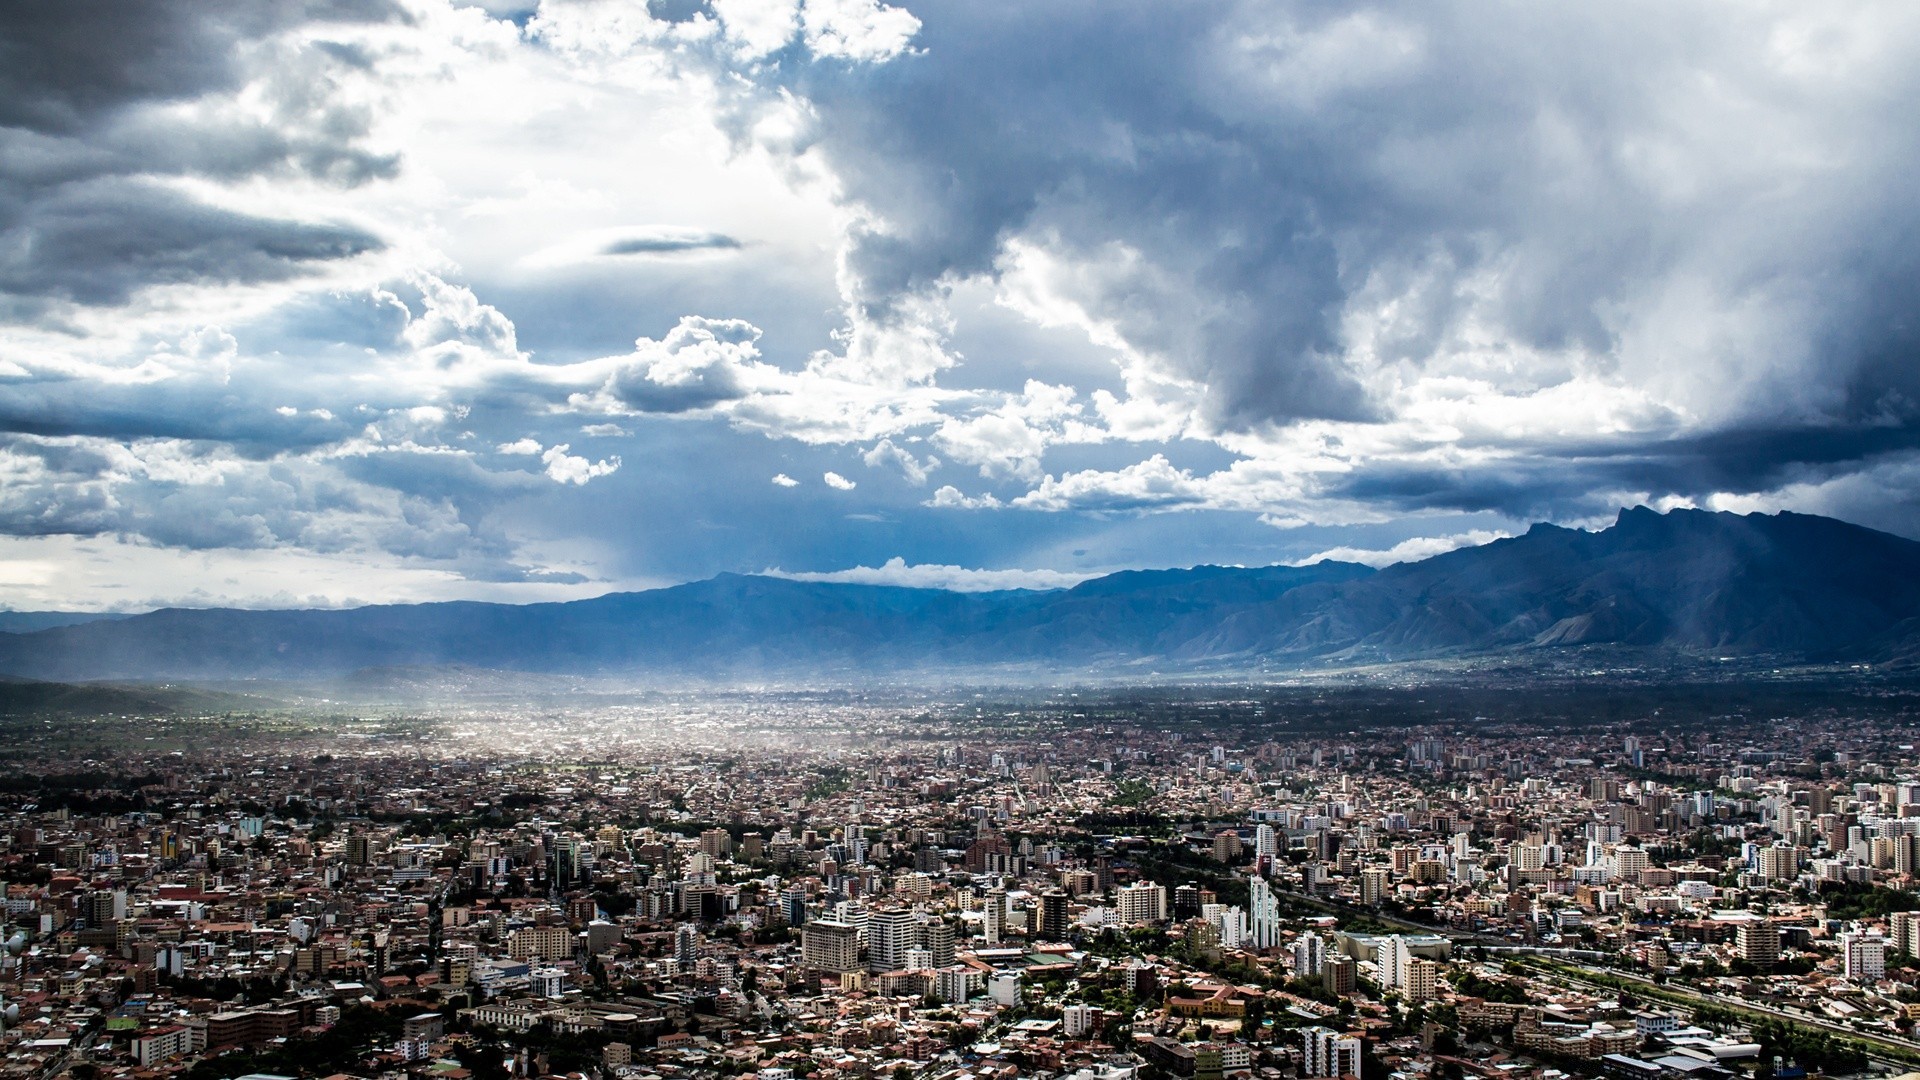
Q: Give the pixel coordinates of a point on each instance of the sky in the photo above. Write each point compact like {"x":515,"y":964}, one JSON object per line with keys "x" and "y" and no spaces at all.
{"x":335,"y":302}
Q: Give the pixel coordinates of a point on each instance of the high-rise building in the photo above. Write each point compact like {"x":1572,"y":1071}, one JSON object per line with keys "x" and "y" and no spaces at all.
{"x":890,"y":934}
{"x":1078,"y":1021}
{"x":104,"y":907}
{"x":1340,"y":975}
{"x":1264,"y":914}
{"x":1864,"y":956}
{"x":686,"y":946}
{"x":1309,"y":955}
{"x":936,"y":936}
{"x":1419,"y":979}
{"x":1053,"y":915}
{"x":1375,"y":881}
{"x":996,"y":920}
{"x":1141,"y":902}
{"x":1777,"y":862}
{"x":830,"y":946}
{"x":1329,"y":1053}
{"x":1906,"y":933}
{"x":1757,"y":943}
{"x":1266,"y":842}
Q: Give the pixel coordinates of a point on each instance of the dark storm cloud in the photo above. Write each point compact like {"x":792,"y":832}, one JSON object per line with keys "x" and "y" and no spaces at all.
{"x":65,"y":64}
{"x":99,"y":242}
{"x":1591,"y":477}
{"x":84,"y":217}
{"x":1654,"y":188}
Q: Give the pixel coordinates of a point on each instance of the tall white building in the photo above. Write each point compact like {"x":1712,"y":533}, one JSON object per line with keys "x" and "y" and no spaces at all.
{"x":1264,"y":914}
{"x":890,"y":934}
{"x":1309,"y":955}
{"x":996,"y":923}
{"x":1266,"y":841}
{"x":1329,"y":1053}
{"x":1865,"y":956}
{"x":1077,"y":1021}
{"x":1143,"y":901}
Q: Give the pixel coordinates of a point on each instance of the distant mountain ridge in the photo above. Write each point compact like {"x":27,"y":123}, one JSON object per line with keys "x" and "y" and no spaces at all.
{"x":1686,"y":581}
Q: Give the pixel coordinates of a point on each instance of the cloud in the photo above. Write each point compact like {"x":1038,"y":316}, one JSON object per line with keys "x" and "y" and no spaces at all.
{"x":699,"y":364}
{"x":668,"y":243}
{"x":1010,"y":438}
{"x":1301,"y":215}
{"x":857,"y":29}
{"x":333,"y":276}
{"x":99,"y":242}
{"x":948,"y":497}
{"x":566,"y":468}
{"x":1411,"y":550}
{"x":897,"y":571}
{"x":837,"y":482}
{"x":885,"y":453}
{"x":785,"y":481}
{"x":1153,"y":484}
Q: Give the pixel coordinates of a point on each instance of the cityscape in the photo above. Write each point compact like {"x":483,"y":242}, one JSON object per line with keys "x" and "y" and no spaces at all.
{"x":864,"y":889}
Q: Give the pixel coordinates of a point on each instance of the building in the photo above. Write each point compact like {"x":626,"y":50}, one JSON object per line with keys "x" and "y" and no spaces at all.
{"x":996,"y":916}
{"x":891,"y":934}
{"x":162,"y":1044}
{"x":1375,"y":882}
{"x":1226,"y":846}
{"x":830,"y":947}
{"x":1757,"y":943}
{"x":936,"y":936}
{"x":1329,"y":1053}
{"x":1141,"y":902}
{"x":1053,"y":915}
{"x":1419,"y":979}
{"x":1778,"y":862}
{"x":541,"y":942}
{"x":1864,"y":956}
{"x":1264,"y":913}
{"x":1078,"y":1021}
{"x":1309,"y":954}
{"x":1340,"y":975}
{"x":1906,"y":933}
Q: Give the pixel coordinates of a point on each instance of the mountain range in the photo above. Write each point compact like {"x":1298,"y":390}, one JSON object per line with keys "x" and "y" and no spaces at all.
{"x":1686,"y":582}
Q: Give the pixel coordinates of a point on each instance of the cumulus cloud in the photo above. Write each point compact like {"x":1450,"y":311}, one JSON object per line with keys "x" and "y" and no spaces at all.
{"x":897,"y":571}
{"x":566,"y":468}
{"x":785,"y":481}
{"x":1153,"y":484}
{"x":837,"y":482}
{"x":699,"y":364}
{"x":885,"y":453}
